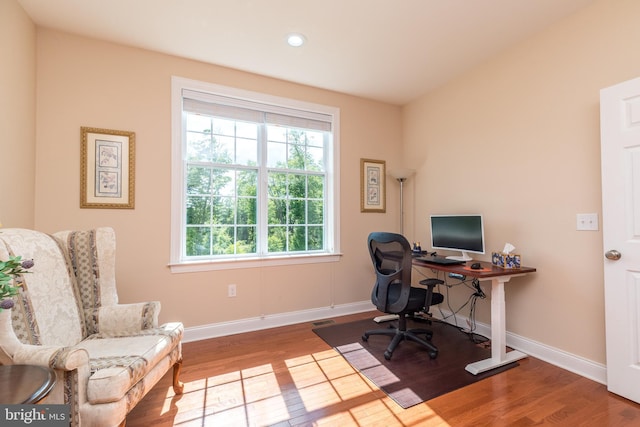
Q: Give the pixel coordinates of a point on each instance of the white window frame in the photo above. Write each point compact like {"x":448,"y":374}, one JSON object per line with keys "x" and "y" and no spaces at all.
{"x":178,"y":263}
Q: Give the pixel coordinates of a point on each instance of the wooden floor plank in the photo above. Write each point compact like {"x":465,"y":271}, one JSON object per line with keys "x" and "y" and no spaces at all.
{"x":288,"y":376}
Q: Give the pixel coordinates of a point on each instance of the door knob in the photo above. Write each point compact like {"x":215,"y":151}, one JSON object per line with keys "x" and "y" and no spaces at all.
{"x":613,"y":255}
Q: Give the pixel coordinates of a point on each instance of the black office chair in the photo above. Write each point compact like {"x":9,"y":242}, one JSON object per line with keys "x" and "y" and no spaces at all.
{"x":393,"y":293}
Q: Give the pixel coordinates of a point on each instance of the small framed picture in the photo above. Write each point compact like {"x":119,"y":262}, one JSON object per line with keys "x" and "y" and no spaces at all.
{"x":372,"y":185}
{"x":107,"y":174}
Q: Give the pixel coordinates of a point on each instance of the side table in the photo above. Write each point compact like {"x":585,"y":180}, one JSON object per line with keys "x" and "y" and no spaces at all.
{"x":25,"y":384}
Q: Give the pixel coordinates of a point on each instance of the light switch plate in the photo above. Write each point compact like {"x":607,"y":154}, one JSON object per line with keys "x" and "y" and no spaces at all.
{"x":588,"y":222}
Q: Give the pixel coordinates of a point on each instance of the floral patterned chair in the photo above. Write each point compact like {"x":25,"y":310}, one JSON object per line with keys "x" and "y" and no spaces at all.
{"x":106,"y":355}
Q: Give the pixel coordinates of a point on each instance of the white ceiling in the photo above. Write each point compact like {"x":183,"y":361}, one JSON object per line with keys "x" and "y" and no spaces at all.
{"x":387,"y":50}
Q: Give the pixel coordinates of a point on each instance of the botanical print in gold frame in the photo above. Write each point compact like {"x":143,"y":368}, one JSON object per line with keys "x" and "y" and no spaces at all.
{"x":372,"y":185}
{"x":107,"y":174}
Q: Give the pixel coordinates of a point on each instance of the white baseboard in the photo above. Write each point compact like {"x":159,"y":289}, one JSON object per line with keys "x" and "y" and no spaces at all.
{"x":214,"y":330}
{"x":576,"y":364}
{"x":571,"y":362}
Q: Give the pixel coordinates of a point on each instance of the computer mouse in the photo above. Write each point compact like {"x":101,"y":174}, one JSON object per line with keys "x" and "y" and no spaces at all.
{"x":476,"y":266}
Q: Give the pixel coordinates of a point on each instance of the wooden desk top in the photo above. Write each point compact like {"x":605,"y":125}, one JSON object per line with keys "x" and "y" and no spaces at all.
{"x":25,"y":384}
{"x":488,"y":270}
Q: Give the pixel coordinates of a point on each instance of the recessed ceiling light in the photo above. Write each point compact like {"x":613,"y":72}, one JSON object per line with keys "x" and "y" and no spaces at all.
{"x":295,"y":39}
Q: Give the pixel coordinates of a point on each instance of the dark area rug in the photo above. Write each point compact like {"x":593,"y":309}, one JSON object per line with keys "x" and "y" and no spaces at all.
{"x":410,"y":377}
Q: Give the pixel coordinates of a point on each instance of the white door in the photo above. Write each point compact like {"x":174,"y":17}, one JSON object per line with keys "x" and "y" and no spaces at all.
{"x":620,"y":145}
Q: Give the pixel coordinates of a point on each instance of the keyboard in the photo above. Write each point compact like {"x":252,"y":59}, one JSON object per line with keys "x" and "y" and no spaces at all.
{"x":439,"y":260}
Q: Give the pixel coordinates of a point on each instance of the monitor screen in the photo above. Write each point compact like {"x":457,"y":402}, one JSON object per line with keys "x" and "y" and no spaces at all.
{"x":464,"y":233}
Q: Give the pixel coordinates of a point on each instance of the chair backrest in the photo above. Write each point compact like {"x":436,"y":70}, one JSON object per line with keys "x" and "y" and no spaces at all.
{"x":46,"y":310}
{"x":92,"y":256}
{"x":391,"y":257}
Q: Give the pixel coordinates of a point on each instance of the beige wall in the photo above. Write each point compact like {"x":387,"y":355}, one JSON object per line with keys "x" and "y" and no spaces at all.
{"x":84,"y":82}
{"x":17,"y":116}
{"x":517,"y":140}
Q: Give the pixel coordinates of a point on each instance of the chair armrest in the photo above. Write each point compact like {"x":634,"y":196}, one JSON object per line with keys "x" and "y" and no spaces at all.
{"x":63,"y":358}
{"x":128,"y":318}
{"x":16,"y":352}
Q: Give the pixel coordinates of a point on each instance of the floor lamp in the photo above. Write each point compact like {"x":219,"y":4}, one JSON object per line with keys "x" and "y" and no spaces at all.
{"x":401,"y":175}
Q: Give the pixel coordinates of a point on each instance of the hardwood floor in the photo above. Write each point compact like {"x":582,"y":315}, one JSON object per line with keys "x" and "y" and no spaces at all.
{"x":288,"y":376}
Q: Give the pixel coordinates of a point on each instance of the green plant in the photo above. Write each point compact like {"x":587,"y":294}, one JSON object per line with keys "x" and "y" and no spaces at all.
{"x":10,"y":279}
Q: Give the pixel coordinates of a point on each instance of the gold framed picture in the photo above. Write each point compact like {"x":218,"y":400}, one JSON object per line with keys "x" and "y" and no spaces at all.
{"x":107,"y":168}
{"x":372,"y":185}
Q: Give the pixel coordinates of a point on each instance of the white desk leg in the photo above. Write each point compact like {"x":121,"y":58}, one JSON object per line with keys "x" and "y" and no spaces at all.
{"x":499,"y":355}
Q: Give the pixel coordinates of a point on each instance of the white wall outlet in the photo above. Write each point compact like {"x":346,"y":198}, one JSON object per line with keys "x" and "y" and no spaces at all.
{"x":588,"y":221}
{"x":231,"y":290}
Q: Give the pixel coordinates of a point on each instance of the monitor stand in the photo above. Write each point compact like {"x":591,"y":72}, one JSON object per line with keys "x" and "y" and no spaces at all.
{"x":464,"y":257}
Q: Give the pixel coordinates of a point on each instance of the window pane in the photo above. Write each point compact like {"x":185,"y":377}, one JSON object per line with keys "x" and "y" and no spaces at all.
{"x":247,"y":152}
{"x":247,"y":183}
{"x":277,"y":211}
{"x":297,"y":212}
{"x":224,"y":126}
{"x":297,"y":239}
{"x":277,"y":133}
{"x":198,"y":180}
{"x":224,"y":149}
{"x":315,"y":139}
{"x":247,"y":130}
{"x":295,"y":136}
{"x":315,"y":212}
{"x":199,"y":147}
{"x":316,"y":238}
{"x":247,"y":241}
{"x":222,"y":241}
{"x":224,"y":182}
{"x":198,"y":241}
{"x":277,"y":239}
{"x":297,"y":186}
{"x":247,"y":211}
{"x":277,"y":155}
{"x":316,"y":187}
{"x":277,"y":184}
{"x":296,"y":157}
{"x":198,"y":123}
{"x":223,"y":212}
{"x":315,"y":159}
{"x":198,"y":210}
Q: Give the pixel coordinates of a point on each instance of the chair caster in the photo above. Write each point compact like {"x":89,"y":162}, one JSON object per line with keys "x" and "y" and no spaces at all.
{"x":365,"y":337}
{"x":433,"y":354}
{"x":387,"y":355}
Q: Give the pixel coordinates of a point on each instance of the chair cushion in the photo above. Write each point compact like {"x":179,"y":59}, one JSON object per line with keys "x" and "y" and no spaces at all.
{"x":117,"y":363}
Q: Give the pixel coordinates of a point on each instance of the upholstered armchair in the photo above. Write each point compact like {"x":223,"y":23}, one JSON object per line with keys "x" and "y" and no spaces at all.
{"x":106,"y":355}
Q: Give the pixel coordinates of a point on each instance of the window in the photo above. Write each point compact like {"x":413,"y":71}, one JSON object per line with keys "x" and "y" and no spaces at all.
{"x":254,"y":178}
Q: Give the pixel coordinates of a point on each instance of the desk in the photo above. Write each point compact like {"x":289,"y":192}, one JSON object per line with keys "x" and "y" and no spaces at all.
{"x":25,"y":384}
{"x":498,"y":276}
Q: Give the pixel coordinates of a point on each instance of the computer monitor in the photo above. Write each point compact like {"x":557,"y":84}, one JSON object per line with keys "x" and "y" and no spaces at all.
{"x":464,"y":233}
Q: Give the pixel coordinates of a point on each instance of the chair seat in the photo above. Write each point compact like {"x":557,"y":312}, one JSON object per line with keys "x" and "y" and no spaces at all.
{"x":118,"y":363}
{"x":417,"y":297}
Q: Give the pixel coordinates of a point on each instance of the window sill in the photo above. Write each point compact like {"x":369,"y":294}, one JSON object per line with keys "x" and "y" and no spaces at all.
{"x":209,"y":265}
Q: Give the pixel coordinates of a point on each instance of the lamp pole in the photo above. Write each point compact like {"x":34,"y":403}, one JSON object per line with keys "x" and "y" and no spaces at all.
{"x":401,"y":175}
{"x":401,"y":181}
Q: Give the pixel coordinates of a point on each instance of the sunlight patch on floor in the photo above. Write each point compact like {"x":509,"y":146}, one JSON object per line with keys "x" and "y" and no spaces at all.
{"x":322,"y":383}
